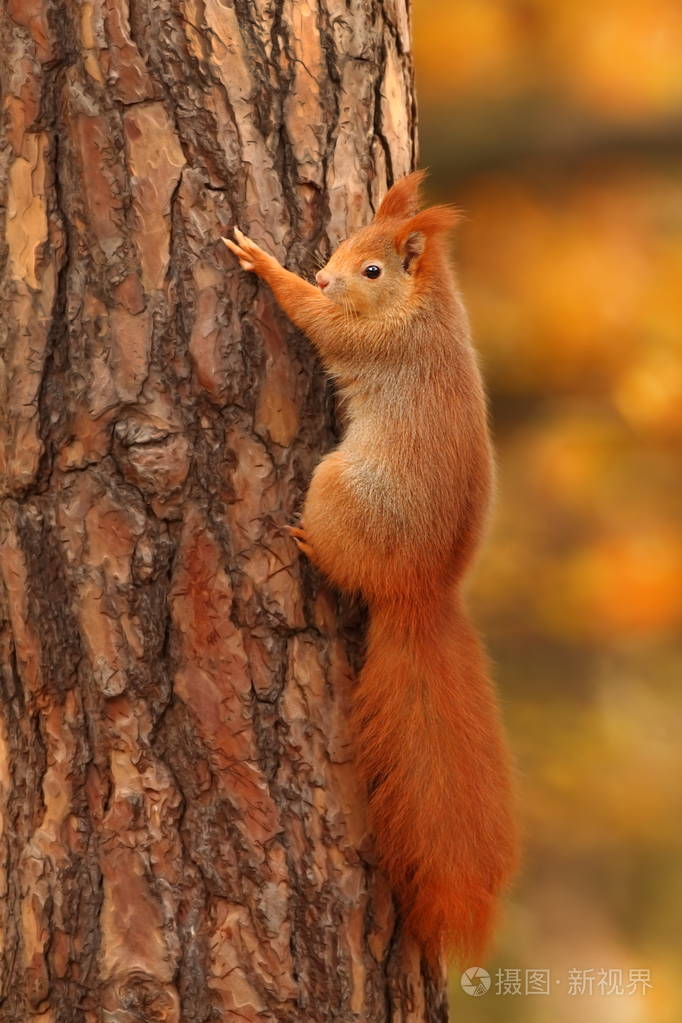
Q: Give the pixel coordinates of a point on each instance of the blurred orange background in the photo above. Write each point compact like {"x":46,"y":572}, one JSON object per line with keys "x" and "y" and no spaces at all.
{"x":557,"y":127}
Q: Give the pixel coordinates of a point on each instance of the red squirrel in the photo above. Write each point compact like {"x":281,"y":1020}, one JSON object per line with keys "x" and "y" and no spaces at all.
{"x":396,"y":513}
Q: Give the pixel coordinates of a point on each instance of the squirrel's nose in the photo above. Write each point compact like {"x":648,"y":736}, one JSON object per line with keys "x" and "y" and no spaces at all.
{"x":322,"y":279}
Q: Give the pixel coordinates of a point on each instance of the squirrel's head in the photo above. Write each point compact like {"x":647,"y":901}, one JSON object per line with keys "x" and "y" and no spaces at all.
{"x":382,"y":266}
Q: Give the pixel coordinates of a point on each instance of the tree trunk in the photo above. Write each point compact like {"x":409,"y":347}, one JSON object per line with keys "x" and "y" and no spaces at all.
{"x":184,"y":834}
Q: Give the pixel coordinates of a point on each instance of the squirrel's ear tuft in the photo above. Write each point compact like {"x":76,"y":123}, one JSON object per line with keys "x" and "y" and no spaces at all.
{"x":433,"y":220}
{"x":403,"y":199}
{"x":413,"y":234}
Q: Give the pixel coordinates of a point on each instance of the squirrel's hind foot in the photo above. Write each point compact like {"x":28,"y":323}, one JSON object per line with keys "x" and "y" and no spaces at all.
{"x":300,"y":538}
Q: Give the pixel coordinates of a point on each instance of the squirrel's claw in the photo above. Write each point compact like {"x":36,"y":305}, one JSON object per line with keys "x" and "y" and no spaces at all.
{"x":246,"y":251}
{"x":300,"y":538}
{"x":241,"y":254}
{"x":297,"y":532}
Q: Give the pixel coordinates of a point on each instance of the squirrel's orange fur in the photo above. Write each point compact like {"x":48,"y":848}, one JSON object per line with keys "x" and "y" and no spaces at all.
{"x":396,"y":512}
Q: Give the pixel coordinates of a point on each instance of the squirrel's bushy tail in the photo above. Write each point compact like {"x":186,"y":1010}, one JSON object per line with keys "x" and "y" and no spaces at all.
{"x":429,"y":741}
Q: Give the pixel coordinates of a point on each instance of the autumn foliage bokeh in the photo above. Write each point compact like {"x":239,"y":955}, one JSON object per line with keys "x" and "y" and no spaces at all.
{"x":556,"y":128}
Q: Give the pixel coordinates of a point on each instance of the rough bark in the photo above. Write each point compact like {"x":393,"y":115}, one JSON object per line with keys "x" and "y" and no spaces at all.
{"x":184,"y":835}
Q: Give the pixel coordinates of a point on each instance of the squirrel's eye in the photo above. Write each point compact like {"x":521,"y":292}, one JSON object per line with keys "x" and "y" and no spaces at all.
{"x":372,"y":271}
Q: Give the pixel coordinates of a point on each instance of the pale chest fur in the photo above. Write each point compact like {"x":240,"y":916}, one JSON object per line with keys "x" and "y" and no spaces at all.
{"x":408,"y":457}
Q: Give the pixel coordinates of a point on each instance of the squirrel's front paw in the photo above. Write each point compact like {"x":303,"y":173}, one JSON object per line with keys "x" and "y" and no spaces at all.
{"x":250,"y":255}
{"x":300,"y":538}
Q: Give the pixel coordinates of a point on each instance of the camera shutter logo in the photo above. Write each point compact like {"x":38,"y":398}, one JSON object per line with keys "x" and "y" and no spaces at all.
{"x":475,"y":981}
